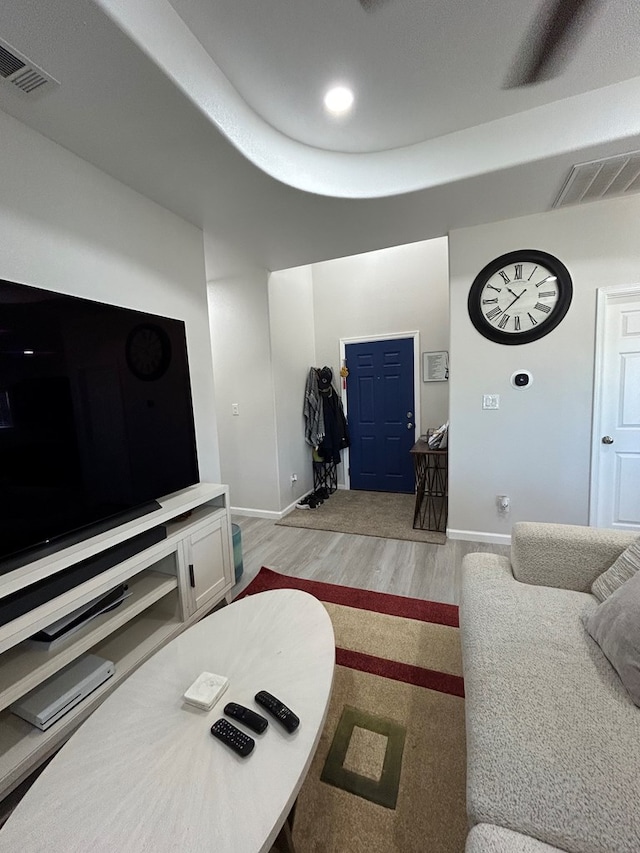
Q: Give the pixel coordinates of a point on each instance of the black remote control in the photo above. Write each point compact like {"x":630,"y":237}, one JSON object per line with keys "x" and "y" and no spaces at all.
{"x":233,"y":737}
{"x":279,"y":710}
{"x":256,"y":722}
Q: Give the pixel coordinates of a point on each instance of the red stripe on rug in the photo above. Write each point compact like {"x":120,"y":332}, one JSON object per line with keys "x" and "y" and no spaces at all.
{"x":443,"y":682}
{"x":362,"y":599}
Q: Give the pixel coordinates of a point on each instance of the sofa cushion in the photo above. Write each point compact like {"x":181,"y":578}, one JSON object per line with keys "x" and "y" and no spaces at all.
{"x":625,"y":567}
{"x":553,"y":739}
{"x":485,"y":838}
{"x":615,"y":626}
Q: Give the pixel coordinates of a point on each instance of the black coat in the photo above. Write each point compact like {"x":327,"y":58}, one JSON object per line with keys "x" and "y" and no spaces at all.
{"x":335,"y":427}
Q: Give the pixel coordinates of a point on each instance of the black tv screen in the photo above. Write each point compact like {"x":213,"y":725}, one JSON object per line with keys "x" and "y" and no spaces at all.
{"x":96,"y":418}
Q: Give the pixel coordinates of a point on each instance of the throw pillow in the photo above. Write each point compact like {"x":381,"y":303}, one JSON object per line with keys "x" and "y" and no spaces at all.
{"x":625,"y":567}
{"x":615,"y":626}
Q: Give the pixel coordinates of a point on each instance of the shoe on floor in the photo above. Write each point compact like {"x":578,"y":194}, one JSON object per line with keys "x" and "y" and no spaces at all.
{"x":307,"y":503}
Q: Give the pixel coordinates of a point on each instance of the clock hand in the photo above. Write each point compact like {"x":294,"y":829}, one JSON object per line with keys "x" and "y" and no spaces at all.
{"x":515,"y":300}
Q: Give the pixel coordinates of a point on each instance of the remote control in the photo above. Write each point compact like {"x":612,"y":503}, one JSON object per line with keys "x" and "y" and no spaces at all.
{"x":279,"y":710}
{"x":233,"y":737}
{"x":256,"y":722}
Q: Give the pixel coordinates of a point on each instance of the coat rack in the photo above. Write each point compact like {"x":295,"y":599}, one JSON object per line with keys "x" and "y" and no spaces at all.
{"x":325,"y":475}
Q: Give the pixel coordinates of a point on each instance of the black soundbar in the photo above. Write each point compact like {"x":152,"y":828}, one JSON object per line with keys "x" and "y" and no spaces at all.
{"x":27,"y":599}
{"x":57,"y":543}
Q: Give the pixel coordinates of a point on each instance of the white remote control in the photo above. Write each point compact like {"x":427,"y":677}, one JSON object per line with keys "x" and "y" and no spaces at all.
{"x":206,"y":690}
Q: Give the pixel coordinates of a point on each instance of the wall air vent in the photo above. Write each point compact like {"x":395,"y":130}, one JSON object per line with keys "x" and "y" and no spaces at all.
{"x":22,"y":73}
{"x":612,"y":176}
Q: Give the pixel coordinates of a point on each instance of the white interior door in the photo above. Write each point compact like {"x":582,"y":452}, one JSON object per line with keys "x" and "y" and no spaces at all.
{"x":615,"y":486}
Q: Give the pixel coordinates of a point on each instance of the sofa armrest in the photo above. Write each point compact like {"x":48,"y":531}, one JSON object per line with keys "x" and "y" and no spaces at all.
{"x":564,"y":555}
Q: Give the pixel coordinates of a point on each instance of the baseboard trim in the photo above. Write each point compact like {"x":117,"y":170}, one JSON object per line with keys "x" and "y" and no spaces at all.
{"x":480,"y":536}
{"x":292,"y":506}
{"x":256,"y":513}
{"x":268,"y":513}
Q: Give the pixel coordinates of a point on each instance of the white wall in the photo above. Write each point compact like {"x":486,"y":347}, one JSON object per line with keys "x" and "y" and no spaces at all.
{"x":536,"y":447}
{"x":402,"y":289}
{"x":67,"y":226}
{"x":266,"y":336}
{"x":293,"y":354}
{"x":240,"y":340}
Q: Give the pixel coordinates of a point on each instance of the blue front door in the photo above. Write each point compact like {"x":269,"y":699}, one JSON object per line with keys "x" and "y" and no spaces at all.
{"x":381,"y":414}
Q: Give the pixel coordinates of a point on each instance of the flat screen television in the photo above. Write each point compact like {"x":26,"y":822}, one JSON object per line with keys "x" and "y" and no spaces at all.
{"x":96,"y":418}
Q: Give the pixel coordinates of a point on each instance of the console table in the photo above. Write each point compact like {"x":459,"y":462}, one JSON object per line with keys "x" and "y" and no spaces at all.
{"x":172,"y":584}
{"x":144,"y":772}
{"x":431,"y":470}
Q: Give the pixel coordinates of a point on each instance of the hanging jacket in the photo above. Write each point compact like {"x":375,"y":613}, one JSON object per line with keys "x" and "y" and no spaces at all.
{"x":336,"y":436}
{"x":313,"y":411}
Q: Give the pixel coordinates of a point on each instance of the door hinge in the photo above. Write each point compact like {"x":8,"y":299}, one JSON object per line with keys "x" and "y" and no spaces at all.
{"x":192,"y":577}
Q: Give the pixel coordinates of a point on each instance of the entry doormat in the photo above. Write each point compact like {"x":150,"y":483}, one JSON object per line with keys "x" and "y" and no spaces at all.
{"x":385,"y":514}
{"x":389,"y":772}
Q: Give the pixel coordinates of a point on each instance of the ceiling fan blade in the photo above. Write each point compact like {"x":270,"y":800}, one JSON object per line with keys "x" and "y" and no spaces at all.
{"x":371,"y":5}
{"x":557,"y":25}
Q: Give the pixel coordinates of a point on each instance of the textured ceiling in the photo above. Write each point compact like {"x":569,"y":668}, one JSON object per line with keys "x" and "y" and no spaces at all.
{"x":236,"y":144}
{"x":418,"y":69}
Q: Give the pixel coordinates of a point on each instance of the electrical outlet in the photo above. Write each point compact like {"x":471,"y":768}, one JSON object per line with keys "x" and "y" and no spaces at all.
{"x":235,"y":409}
{"x":491,"y":401}
{"x":504,"y":504}
{"x":294,"y":479}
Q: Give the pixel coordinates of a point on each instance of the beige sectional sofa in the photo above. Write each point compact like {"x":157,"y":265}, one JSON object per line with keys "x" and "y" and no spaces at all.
{"x":553,"y":737}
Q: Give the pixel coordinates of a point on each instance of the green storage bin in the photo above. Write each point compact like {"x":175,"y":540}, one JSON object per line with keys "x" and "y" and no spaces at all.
{"x":237,"y":550}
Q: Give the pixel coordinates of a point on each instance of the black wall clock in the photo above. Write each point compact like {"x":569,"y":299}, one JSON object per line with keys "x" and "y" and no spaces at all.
{"x":520,"y":297}
{"x":148,"y":352}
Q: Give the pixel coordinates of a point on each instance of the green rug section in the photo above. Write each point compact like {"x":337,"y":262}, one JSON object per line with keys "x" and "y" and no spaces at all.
{"x":382,"y":790}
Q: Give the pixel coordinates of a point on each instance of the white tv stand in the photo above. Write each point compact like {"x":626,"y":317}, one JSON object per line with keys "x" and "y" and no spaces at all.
{"x":173,"y":584}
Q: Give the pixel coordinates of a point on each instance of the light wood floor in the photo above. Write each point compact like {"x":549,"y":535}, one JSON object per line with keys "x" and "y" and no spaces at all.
{"x":430,"y":572}
{"x":414,"y":569}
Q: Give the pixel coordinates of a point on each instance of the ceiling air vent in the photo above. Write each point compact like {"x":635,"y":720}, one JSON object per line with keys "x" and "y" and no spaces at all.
{"x":613,"y":176}
{"x":21,"y":72}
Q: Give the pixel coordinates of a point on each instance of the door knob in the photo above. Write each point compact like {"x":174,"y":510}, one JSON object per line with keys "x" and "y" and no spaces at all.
{"x":606,"y":439}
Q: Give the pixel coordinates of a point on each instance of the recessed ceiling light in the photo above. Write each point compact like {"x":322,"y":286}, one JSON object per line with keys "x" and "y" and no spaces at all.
{"x":338,"y":100}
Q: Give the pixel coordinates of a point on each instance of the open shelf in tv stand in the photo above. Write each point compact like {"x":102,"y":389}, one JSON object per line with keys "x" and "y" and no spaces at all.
{"x":172,"y":584}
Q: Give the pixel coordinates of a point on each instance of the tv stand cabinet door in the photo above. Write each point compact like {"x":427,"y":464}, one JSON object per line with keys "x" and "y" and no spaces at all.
{"x":208,"y":562}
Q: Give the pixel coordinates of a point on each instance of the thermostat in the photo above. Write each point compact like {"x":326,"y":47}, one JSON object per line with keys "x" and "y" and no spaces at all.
{"x":521,"y":379}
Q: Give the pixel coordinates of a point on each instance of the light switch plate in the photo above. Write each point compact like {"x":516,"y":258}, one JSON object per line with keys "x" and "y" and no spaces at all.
{"x":491,"y":401}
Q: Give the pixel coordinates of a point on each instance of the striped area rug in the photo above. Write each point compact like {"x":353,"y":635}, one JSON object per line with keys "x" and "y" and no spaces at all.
{"x":389,"y":772}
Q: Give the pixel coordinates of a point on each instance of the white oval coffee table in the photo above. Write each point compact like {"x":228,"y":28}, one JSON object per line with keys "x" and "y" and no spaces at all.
{"x":143,"y":773}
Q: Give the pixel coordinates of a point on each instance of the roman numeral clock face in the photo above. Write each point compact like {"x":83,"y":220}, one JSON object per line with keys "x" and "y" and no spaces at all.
{"x":520,"y":297}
